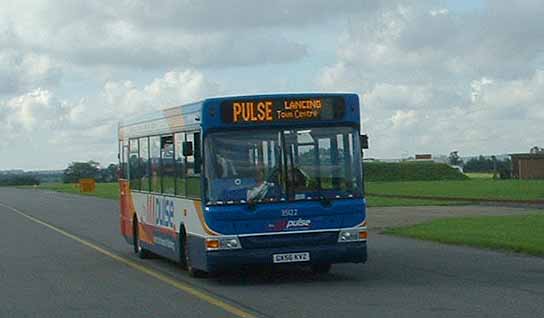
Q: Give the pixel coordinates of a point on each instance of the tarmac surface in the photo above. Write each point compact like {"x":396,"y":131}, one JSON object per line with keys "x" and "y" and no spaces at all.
{"x":62,"y":256}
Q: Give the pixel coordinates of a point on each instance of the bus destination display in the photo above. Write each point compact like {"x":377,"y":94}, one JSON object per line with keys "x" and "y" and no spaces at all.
{"x":273,"y":110}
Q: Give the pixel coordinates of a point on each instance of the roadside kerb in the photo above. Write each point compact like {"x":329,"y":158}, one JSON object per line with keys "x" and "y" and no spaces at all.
{"x":472,"y":200}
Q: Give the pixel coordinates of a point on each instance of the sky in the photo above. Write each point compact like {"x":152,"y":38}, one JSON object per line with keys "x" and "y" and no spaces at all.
{"x":432,"y":76}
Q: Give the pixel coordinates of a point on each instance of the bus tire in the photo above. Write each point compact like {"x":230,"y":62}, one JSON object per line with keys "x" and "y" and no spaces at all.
{"x":182,"y":254}
{"x":193,"y":272}
{"x":138,"y":249}
{"x":323,"y":268}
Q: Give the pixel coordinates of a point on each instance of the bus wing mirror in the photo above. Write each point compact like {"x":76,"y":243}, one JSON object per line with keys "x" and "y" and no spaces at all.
{"x":187,"y":148}
{"x":364,"y":141}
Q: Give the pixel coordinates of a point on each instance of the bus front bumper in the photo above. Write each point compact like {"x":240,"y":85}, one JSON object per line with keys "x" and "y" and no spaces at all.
{"x":352,"y":252}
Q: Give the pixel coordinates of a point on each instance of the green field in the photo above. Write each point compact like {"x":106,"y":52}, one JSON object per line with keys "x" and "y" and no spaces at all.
{"x":520,"y":233}
{"x":474,"y":188}
{"x":479,"y":175}
{"x":103,"y":190}
{"x":111,"y":191}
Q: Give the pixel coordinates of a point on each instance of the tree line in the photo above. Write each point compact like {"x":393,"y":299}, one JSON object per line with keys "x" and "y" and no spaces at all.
{"x":72,"y":174}
{"x":503,"y":168}
{"x":18,"y":179}
{"x":90,"y":169}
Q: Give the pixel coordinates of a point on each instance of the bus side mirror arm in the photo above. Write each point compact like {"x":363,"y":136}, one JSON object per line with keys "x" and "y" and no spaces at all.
{"x":364,"y":141}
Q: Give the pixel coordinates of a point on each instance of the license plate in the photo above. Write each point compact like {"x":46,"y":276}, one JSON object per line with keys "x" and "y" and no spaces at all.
{"x":291,"y":257}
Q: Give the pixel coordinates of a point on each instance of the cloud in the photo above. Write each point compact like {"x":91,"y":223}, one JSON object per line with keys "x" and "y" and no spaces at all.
{"x":433,"y":80}
{"x":36,"y":110}
{"x":203,"y":15}
{"x":516,"y":99}
{"x":404,"y":118}
{"x":169,"y":34}
{"x":175,"y":88}
{"x":21,"y":71}
{"x":85,"y":129}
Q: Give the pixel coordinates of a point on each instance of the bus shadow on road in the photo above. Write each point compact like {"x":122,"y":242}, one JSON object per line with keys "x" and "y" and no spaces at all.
{"x":267,"y":275}
{"x":277,"y":275}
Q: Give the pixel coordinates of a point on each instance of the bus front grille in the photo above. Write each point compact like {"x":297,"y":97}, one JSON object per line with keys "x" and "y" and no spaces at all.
{"x":289,"y":240}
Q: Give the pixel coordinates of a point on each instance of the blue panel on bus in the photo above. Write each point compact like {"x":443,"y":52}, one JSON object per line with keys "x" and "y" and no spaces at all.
{"x":285,"y":217}
{"x":231,"y":188}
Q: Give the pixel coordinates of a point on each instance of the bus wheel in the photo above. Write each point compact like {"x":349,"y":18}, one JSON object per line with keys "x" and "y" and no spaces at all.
{"x":197,"y":273}
{"x":182,"y":254}
{"x":138,"y":249}
{"x":321,"y":268}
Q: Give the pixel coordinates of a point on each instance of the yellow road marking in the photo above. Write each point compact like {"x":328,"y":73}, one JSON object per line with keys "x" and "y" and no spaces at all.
{"x":163,"y":278}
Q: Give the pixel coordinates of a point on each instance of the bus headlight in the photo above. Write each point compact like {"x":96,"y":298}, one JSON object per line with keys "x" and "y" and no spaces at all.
{"x":223,"y":243}
{"x":352,"y":235}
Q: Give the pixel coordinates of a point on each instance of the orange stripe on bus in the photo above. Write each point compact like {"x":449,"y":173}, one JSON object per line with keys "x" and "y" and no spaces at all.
{"x":198,"y":208}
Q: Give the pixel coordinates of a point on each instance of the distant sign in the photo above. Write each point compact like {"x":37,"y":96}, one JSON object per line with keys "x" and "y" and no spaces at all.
{"x":87,"y":185}
{"x":276,"y":109}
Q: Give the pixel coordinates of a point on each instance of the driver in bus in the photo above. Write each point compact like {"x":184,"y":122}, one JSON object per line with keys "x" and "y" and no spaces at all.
{"x":225,"y":167}
{"x":296,"y":179}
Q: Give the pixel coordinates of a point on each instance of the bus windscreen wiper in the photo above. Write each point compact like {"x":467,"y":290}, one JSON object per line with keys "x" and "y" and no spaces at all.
{"x":258,"y":193}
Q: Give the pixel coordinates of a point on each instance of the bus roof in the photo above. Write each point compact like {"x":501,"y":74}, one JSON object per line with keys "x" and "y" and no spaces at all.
{"x":208,"y":112}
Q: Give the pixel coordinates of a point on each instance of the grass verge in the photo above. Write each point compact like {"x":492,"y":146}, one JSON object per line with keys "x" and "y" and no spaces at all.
{"x":374,"y":201}
{"x":479,"y":175}
{"x":518,"y":233}
{"x":473,"y":189}
{"x":111,"y":191}
{"x":103,"y":190}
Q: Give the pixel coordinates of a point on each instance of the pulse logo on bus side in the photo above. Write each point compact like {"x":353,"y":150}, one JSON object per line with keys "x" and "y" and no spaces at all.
{"x":160,"y":211}
{"x":290,"y":224}
{"x":298,"y":223}
{"x":165,"y":212}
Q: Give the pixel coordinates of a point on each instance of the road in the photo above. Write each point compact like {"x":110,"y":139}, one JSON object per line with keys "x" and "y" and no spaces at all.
{"x":62,"y":256}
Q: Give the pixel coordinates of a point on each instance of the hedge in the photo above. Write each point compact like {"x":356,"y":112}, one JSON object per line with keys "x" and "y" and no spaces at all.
{"x":410,"y":171}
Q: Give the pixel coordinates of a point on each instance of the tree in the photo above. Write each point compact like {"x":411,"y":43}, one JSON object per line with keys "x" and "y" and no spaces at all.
{"x":454,"y":159}
{"x":80,"y":170}
{"x":536,"y":149}
{"x":504,"y":168}
{"x":480,"y":164}
{"x":21,"y":179}
{"x":108,"y":174}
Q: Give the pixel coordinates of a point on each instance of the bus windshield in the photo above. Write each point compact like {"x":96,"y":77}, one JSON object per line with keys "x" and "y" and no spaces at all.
{"x":273,"y":165}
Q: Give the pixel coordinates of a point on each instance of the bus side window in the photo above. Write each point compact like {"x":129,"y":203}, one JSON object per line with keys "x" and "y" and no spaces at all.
{"x":197,"y":155}
{"x":181,"y":164}
{"x":155,"y":162}
{"x":168,"y":169}
{"x":193,"y":167}
{"x":134,"y":165}
{"x":144,"y":164}
{"x":120,"y":171}
{"x":124,"y":160}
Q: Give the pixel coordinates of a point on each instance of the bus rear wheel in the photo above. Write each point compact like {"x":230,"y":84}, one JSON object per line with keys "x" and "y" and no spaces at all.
{"x":138,"y":249}
{"x":321,"y":268}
